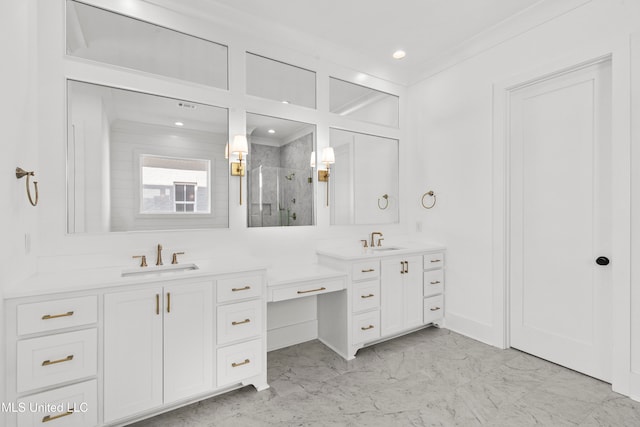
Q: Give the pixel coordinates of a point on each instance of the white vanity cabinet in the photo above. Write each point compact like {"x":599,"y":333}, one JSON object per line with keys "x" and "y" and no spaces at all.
{"x":129,"y":348}
{"x":157,"y":346}
{"x":386,"y":296}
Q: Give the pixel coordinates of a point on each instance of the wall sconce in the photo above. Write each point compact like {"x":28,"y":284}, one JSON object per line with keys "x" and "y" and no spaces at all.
{"x":239,"y":146}
{"x":328,"y":158}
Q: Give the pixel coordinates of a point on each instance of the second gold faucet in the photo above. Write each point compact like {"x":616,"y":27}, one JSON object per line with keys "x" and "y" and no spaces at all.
{"x":159,"y":258}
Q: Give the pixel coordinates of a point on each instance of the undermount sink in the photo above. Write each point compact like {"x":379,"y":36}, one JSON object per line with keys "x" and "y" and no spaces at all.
{"x":386,"y":248}
{"x":160,"y":270}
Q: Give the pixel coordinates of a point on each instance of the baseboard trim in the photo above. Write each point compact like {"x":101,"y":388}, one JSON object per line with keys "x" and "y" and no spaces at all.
{"x":470,"y":328}
{"x":292,"y":334}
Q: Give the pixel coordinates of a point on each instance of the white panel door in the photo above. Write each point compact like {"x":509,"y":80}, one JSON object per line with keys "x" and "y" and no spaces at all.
{"x":560,"y":219}
{"x":132,"y":352}
{"x":188,"y":340}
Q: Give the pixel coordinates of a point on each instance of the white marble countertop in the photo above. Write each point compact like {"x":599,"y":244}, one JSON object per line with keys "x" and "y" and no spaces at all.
{"x":95,"y":278}
{"x":354,"y":252}
{"x":301,"y":273}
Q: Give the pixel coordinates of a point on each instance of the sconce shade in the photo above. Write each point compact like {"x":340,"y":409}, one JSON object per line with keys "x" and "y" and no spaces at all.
{"x":226,"y":151}
{"x":312,"y":162}
{"x":328,"y":156}
{"x":239,"y":144}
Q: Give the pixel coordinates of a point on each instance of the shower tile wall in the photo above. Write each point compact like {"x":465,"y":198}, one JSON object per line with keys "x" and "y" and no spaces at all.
{"x":294,"y":157}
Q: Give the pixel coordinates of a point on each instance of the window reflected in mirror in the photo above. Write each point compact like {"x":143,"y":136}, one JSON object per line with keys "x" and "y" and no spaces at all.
{"x":364,"y":179}
{"x":111,"y":38}
{"x":280,"y":82}
{"x":280,"y":172}
{"x":144,"y":162}
{"x":363,"y":103}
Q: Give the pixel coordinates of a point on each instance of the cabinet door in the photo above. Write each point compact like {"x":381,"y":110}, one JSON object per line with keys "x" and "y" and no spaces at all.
{"x":188,"y":340}
{"x":412,"y":292}
{"x":132,"y":352}
{"x":391,"y":296}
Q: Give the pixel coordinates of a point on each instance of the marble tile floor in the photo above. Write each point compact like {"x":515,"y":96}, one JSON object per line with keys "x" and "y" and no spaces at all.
{"x":432,"y":377}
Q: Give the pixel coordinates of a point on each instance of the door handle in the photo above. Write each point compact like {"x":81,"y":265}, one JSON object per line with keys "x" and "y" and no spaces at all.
{"x":602,"y":260}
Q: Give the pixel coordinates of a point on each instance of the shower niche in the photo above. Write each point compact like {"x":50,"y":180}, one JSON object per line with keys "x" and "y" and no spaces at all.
{"x":280,"y":174}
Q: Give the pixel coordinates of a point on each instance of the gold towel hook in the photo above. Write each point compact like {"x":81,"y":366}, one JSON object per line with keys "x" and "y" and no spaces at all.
{"x":386,"y":198}
{"x":20,"y":173}
{"x":432,"y":194}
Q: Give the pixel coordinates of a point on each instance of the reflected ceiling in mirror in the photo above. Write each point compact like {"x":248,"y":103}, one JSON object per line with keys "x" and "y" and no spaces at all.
{"x":280,"y":177}
{"x":364,"y":179}
{"x":280,"y":82}
{"x":144,"y":162}
{"x":363,"y":103}
{"x":103,"y":36}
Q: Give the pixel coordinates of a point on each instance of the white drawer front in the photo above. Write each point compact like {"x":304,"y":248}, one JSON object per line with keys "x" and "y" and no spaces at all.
{"x":433,"y":309}
{"x":365,"y":270}
{"x":435,"y":260}
{"x":237,"y":288}
{"x":58,"y":314}
{"x":239,"y":321}
{"x":308,"y":289}
{"x":366,"y":327}
{"x":238,"y":362}
{"x":55,"y":359}
{"x":433,"y":282}
{"x":71,"y":406}
{"x":365,"y":296}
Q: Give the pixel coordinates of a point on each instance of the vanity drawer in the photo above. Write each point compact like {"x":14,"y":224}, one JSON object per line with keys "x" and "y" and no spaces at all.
{"x":72,"y":406}
{"x":238,"y":362}
{"x":54,"y":359}
{"x":58,"y":314}
{"x":308,"y":289}
{"x":433,"y":282}
{"x":365,"y":296}
{"x":236,"y":288}
{"x":365,"y":270}
{"x":239,"y":321}
{"x":366,"y":327}
{"x":434,"y":260}
{"x":433,"y":309}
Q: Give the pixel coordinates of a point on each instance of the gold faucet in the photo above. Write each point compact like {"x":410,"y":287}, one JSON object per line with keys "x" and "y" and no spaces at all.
{"x":373,"y":238}
{"x":159,"y":259}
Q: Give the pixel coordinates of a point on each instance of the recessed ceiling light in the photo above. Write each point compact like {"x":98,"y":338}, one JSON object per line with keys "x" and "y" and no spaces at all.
{"x":399,"y":54}
{"x":284,"y":101}
{"x":271,"y":131}
{"x":179,"y":124}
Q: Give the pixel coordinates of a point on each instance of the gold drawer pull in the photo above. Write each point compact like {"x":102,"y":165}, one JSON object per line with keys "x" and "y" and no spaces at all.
{"x":235,"y":365}
{"x":313,"y":290}
{"x":69,"y":358}
{"x":367,"y":296}
{"x":435,"y":309}
{"x":55,"y":316}
{"x":436,"y":260}
{"x":246,"y":288}
{"x":48,"y":418}
{"x":366,"y":328}
{"x":435,"y":283}
{"x":241,"y":322}
{"x":370,"y":270}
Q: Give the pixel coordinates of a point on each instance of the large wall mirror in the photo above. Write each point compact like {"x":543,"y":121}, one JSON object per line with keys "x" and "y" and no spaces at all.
{"x":280,"y":175}
{"x":144,"y":162}
{"x":364,"y":179}
{"x":363,"y":103}
{"x":103,"y":36}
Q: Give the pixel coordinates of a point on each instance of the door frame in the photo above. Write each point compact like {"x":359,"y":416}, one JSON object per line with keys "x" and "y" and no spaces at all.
{"x":621,"y":197}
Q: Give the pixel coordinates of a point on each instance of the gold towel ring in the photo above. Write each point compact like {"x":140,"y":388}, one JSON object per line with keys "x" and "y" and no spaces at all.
{"x":386,"y":198}
{"x":432,"y":194}
{"x":22,"y":173}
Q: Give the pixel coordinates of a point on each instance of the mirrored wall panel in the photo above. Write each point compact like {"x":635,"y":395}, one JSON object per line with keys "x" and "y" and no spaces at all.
{"x":144,"y":162}
{"x":363,"y":103}
{"x":99,"y":35}
{"x":280,"y":175}
{"x":364,"y":179}
{"x":281,"y":82}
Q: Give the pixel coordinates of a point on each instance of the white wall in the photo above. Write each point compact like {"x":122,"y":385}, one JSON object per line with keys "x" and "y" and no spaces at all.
{"x":453,"y":125}
{"x":17,"y":116}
